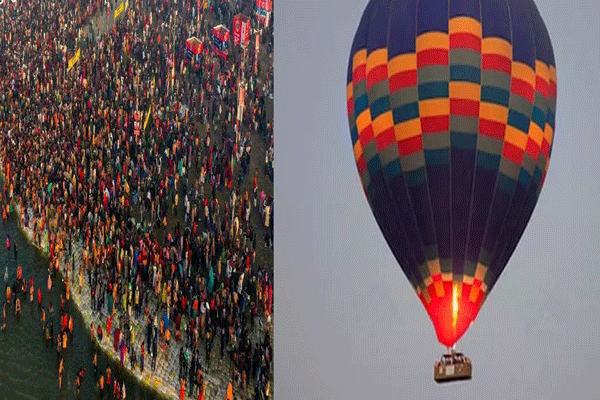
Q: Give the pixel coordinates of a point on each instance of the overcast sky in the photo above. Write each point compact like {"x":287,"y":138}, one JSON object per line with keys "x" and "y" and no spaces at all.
{"x":347,"y":323}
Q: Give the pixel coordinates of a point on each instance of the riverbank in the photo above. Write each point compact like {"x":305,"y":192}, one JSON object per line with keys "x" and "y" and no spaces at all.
{"x":165,"y":378}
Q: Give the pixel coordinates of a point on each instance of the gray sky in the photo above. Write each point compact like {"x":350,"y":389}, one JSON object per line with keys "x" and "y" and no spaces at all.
{"x":347,"y":323}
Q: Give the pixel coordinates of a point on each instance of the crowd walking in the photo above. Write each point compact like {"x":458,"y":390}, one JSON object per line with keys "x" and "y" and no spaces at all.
{"x":132,"y":173}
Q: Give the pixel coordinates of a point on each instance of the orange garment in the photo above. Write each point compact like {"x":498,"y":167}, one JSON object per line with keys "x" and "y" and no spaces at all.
{"x":229,"y":393}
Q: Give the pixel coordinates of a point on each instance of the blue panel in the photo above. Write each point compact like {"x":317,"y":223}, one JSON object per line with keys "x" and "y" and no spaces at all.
{"x":432,"y":15}
{"x":415,"y":177}
{"x":406,"y":112}
{"x":495,"y":19}
{"x":538,"y":117}
{"x":550,"y":118}
{"x":433,"y":90}
{"x":374,"y":165}
{"x":388,"y":205}
{"x":495,"y":95}
{"x":522,"y":33}
{"x":380,"y":106}
{"x":437,"y":157}
{"x":463,"y":140}
{"x":524,"y":178}
{"x":378,"y":26}
{"x":488,"y":161}
{"x":505,"y":183}
{"x":439,"y":192}
{"x":465,"y":7}
{"x":512,"y":226}
{"x":420,"y":206}
{"x":462,"y":169}
{"x":483,"y":194}
{"x":465,"y":73}
{"x":497,"y":212}
{"x":543,"y":47}
{"x":402,"y":28}
{"x":360,"y":38}
{"x":393,"y":168}
{"x":518,"y":120}
{"x":361,"y":104}
{"x":354,"y":134}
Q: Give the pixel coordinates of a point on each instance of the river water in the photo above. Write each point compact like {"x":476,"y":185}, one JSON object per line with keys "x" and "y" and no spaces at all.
{"x":28,"y":365}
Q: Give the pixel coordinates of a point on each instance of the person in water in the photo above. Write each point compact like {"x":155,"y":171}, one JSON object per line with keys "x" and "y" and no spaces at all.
{"x":78,"y":386}
{"x":95,"y":363}
{"x":79,"y":381}
{"x":17,"y":307}
{"x":61,"y":369}
{"x":7,"y":241}
{"x":31,"y":290}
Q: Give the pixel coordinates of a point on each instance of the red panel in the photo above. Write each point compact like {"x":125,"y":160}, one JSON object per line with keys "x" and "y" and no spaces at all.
{"x":386,"y":138}
{"x":545,"y":148}
{"x":376,"y":75}
{"x":410,"y":145}
{"x":361,"y":164}
{"x":532,"y":149}
{"x":464,"y":107}
{"x":435,"y":124}
{"x":522,"y":88}
{"x":553,"y":89}
{"x":465,"y":40}
{"x":513,"y":153}
{"x":441,"y":315}
{"x":366,"y":135}
{"x":402,"y":80}
{"x":497,"y":62}
{"x":541,"y":86}
{"x":359,"y":73}
{"x":492,"y":128}
{"x":350,"y":106}
{"x":432,"y":57}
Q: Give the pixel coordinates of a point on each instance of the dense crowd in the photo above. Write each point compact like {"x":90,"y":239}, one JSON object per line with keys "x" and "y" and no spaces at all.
{"x":170,"y":214}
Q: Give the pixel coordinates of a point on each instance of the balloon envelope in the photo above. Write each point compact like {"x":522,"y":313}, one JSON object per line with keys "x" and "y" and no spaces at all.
{"x":451,"y":107}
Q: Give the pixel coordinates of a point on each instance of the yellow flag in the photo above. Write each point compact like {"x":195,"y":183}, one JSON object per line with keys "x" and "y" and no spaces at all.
{"x":147,"y":116}
{"x":119,"y":10}
{"x":74,"y":59}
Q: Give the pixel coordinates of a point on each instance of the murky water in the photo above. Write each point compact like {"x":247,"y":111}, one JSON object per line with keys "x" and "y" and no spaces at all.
{"x":28,"y":365}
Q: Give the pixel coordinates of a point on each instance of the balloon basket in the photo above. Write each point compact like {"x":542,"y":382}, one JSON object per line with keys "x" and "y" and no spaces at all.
{"x":452,"y":367}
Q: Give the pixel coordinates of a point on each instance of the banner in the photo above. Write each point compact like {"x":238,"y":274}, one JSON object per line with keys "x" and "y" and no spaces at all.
{"x":147,"y":116}
{"x":74,"y":59}
{"x":119,"y":9}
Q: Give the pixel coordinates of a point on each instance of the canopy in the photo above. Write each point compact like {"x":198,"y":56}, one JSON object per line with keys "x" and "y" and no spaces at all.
{"x":193,"y":47}
{"x":220,"y":40}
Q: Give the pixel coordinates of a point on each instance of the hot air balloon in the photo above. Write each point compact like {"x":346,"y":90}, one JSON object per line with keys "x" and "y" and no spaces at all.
{"x":451,"y":106}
